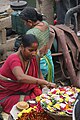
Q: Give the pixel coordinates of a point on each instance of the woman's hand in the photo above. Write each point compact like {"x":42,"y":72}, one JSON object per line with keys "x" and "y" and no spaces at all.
{"x":51,"y":85}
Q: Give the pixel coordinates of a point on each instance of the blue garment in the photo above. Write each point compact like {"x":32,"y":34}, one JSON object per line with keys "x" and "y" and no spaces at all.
{"x":47,"y":66}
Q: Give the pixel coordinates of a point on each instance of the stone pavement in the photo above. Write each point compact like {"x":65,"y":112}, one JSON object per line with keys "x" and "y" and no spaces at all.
{"x":4,"y":2}
{"x":4,"y":5}
{"x":5,"y":116}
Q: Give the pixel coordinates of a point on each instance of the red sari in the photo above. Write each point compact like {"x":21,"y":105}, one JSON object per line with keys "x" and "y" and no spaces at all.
{"x":10,"y":91}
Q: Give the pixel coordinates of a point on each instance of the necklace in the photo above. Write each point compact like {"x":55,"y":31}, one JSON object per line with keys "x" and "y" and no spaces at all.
{"x":22,"y":56}
{"x":25,"y":62}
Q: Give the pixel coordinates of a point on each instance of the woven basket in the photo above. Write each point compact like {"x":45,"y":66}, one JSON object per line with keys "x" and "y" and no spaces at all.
{"x":58,"y":117}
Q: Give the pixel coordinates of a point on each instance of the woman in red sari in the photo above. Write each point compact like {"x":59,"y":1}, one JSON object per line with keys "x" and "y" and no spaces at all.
{"x":22,"y":68}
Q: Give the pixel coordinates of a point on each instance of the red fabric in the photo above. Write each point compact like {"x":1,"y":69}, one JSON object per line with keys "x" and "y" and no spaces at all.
{"x":55,"y":22}
{"x":10,"y":88}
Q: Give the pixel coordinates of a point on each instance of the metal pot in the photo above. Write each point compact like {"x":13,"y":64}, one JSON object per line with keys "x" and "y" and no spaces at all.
{"x":18,"y":5}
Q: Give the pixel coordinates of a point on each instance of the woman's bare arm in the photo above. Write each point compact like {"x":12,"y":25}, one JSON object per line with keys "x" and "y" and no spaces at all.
{"x":21,"y":77}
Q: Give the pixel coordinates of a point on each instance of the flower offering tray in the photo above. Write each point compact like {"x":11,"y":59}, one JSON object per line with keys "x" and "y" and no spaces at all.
{"x":58,"y":117}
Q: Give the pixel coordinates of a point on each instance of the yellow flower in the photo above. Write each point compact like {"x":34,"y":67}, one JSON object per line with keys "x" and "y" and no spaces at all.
{"x":50,"y":93}
{"x":62,"y":113}
{"x":66,"y":95}
{"x":43,"y":100}
{"x":23,"y":111}
{"x":62,"y":92}
{"x":20,"y":114}
{"x":78,"y":90}
{"x":61,"y":100}
{"x":50,"y":103}
{"x":57,"y":91}
{"x":57,"y":105}
{"x":50,"y":108}
{"x":35,"y":107}
{"x":29,"y":110}
{"x":37,"y":98}
{"x":67,"y":99}
{"x":26,"y":111}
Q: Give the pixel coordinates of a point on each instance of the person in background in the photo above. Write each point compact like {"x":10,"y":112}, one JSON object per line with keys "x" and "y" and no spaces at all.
{"x":55,"y":19}
{"x":62,"y":6}
{"x":61,"y":9}
{"x":45,"y":36}
{"x":19,"y":75}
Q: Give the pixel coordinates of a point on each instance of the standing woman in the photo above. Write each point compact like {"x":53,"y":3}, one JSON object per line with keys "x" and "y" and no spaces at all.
{"x":40,"y":28}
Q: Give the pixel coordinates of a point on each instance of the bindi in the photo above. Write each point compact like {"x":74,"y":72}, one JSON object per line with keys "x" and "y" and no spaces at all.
{"x":35,"y":44}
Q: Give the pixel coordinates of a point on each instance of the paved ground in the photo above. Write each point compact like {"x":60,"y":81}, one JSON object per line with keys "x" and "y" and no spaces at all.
{"x":5,"y":116}
{"x":4,"y":4}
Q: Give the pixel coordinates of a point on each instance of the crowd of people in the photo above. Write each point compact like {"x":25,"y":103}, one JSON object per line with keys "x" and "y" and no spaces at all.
{"x":30,"y":68}
{"x":40,"y":28}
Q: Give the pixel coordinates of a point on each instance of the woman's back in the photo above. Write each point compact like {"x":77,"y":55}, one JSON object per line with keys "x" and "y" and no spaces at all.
{"x":41,"y":32}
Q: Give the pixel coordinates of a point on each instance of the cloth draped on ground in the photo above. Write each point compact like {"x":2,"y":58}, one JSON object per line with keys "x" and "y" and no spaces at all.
{"x":45,"y":62}
{"x":10,"y":91}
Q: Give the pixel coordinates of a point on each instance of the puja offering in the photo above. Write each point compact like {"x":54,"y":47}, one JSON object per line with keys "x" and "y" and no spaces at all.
{"x":56,"y":104}
{"x":59,"y":101}
{"x":33,"y":113}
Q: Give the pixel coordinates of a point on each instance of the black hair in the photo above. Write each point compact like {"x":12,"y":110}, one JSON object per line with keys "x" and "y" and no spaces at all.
{"x":30,"y":13}
{"x":28,"y":39}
